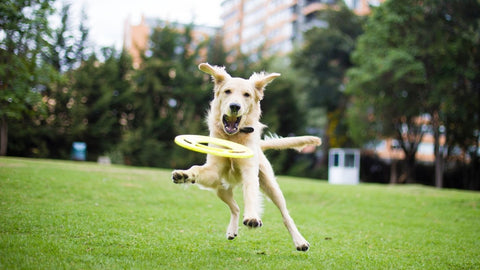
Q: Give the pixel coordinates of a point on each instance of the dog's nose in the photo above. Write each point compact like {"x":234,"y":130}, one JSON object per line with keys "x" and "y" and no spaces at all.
{"x":234,"y":108}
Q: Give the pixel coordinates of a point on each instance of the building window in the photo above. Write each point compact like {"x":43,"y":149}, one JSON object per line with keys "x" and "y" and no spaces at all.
{"x":349,"y":161}
{"x":336,"y":160}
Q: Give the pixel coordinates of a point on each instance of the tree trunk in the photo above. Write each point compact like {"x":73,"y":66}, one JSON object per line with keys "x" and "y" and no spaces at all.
{"x":438,"y":170}
{"x":3,"y":136}
{"x":436,"y":150}
{"x":409,"y":143}
{"x":393,"y":172}
{"x":408,"y":176}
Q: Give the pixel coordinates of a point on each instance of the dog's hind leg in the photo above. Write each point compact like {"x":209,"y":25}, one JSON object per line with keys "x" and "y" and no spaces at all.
{"x":270,"y":187}
{"x":226,"y":195}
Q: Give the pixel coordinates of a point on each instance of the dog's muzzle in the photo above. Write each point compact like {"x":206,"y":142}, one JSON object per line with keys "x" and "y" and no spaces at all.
{"x":230,"y":123}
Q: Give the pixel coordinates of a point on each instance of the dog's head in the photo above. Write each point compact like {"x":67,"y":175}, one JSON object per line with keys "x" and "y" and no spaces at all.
{"x":237,"y":98}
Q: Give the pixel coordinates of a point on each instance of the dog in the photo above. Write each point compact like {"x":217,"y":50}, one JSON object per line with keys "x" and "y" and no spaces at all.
{"x":234,"y":115}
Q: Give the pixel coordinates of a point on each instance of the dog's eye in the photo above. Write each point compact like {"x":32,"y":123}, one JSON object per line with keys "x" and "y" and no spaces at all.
{"x":246,"y":95}
{"x":228,"y":91}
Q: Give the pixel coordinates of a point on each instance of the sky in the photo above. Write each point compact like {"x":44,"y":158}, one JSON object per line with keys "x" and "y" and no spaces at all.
{"x":106,"y":18}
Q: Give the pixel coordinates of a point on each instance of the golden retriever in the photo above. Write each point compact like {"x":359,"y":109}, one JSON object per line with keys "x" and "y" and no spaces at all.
{"x":234,"y":115}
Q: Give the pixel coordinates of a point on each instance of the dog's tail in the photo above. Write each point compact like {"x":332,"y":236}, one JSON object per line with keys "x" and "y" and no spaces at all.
{"x":297,"y":143}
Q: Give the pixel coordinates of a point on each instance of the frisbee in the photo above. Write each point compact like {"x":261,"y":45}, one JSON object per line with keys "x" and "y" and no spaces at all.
{"x":214,"y":146}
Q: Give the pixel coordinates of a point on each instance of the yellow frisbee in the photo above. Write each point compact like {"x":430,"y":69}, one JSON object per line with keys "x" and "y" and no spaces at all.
{"x":214,"y":146}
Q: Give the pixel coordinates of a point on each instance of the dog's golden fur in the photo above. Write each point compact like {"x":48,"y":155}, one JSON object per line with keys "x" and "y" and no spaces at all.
{"x":234,"y":115}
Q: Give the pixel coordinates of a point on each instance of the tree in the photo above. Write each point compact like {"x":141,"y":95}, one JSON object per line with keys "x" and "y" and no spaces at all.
{"x":97,"y":103}
{"x":92,"y":103}
{"x":451,"y":61}
{"x":409,"y":63}
{"x":61,"y":50}
{"x":81,"y":47}
{"x":171,"y":98}
{"x":67,"y":53}
{"x":216,"y":53}
{"x":324,"y":60}
{"x":387,"y":104}
{"x":24,"y":31}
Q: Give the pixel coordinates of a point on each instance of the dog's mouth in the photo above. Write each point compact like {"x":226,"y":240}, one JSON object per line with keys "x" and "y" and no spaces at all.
{"x":231,"y":123}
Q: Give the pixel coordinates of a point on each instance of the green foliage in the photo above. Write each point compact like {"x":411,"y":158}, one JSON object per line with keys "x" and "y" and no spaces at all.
{"x":61,"y":51}
{"x":323,"y":61}
{"x":325,"y":56}
{"x":171,"y":98}
{"x":33,"y":58}
{"x":89,"y":104}
{"x":215,"y":51}
{"x":87,"y":216}
{"x":131,"y":114}
{"x":391,"y":85}
{"x":103,"y":100}
{"x":414,"y":59}
{"x":24,"y":32}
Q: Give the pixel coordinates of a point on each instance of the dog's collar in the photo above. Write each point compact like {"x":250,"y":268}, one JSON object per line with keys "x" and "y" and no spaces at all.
{"x":247,"y":130}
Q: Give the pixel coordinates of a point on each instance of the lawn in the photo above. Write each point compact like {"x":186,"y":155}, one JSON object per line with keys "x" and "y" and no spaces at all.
{"x":60,"y":214}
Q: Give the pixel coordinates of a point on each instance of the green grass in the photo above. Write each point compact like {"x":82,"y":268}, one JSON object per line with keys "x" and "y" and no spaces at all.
{"x":58,"y":214}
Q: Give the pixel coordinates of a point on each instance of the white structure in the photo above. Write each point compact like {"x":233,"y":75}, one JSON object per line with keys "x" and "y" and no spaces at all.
{"x":344,"y":166}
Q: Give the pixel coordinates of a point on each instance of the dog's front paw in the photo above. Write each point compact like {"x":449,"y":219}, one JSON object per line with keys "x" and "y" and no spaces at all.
{"x":252,"y":222}
{"x":181,"y":177}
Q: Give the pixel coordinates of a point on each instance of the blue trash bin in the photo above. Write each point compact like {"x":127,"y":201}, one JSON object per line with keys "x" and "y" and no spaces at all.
{"x":79,"y":151}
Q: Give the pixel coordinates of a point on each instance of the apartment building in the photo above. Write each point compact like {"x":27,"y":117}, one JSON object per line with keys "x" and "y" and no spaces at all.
{"x":362,"y":7}
{"x":274,"y":26}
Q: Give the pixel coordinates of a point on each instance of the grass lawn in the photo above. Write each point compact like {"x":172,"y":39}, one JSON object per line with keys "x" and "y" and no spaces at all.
{"x":60,"y":214}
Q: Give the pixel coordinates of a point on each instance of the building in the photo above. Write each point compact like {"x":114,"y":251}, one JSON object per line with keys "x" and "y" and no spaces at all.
{"x":389,"y":149}
{"x":249,"y":26}
{"x":362,"y":7}
{"x":273,"y":26}
{"x":136,"y":37}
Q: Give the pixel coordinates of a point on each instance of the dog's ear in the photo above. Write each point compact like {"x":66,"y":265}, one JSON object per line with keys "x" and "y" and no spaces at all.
{"x":260,"y":80}
{"x":219,"y":75}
